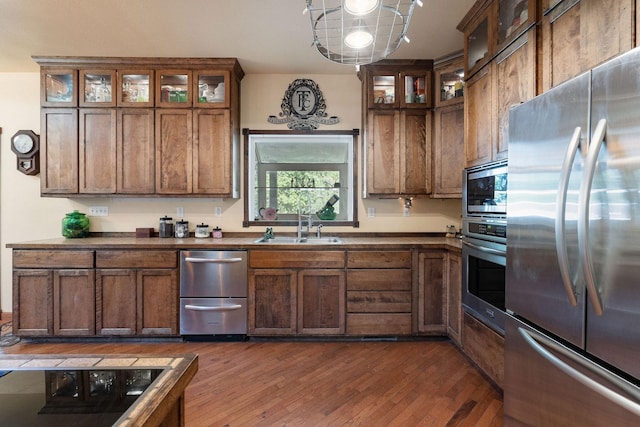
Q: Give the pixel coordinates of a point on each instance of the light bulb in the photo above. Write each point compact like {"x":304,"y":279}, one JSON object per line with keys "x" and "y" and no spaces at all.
{"x":360,"y":7}
{"x":358,"y":39}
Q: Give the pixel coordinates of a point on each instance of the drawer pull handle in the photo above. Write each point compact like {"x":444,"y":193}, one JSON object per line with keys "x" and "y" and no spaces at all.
{"x":213,"y":260}
{"x":218,"y":308}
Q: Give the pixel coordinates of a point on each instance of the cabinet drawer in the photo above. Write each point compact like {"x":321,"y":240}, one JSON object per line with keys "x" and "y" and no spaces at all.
{"x":378,"y":302}
{"x":375,"y":259}
{"x":296,"y":259}
{"x":379,"y":324}
{"x":136,"y":259}
{"x":379,"y":280}
{"x":52,"y":259}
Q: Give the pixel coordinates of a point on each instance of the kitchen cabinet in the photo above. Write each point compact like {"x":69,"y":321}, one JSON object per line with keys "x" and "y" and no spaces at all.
{"x":97,"y":151}
{"x":62,"y":293}
{"x":492,"y":25}
{"x":137,"y":292}
{"x":296,"y":292}
{"x":432,"y":288}
{"x":397,"y":96}
{"x":578,"y":35}
{"x":135,"y":162}
{"x":479,"y":129}
{"x":449,"y":81}
{"x":505,"y":75}
{"x":59,"y":144}
{"x":53,"y":293}
{"x":139,"y":127}
{"x":454,"y":297}
{"x":448,"y":128}
{"x":485,"y":347}
{"x":379,"y":293}
{"x":448,"y":151}
{"x":515,"y":83}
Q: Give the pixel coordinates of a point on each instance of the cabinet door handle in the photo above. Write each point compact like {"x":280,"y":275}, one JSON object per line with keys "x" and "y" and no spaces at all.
{"x":213,"y":260}
{"x":217,"y":308}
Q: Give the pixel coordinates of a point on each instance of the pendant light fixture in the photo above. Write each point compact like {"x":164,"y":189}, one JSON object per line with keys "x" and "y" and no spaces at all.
{"x":358,"y":32}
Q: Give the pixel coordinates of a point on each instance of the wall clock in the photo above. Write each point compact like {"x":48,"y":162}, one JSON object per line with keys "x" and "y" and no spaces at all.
{"x":26,"y":146}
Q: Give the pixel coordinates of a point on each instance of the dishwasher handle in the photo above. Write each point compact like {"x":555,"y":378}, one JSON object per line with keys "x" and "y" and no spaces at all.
{"x":209,"y":308}
{"x":213,"y":260}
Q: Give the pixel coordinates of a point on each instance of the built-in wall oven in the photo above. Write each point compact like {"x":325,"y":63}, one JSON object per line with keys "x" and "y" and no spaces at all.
{"x":484,"y":243}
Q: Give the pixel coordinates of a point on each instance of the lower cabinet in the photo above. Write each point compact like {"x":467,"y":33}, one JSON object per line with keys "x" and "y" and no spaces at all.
{"x":432,"y":284}
{"x":485,"y":347}
{"x":454,"y":297}
{"x":137,"y":292}
{"x":379,"y":293}
{"x":53,"y":293}
{"x":62,"y":293}
{"x":285,"y":298}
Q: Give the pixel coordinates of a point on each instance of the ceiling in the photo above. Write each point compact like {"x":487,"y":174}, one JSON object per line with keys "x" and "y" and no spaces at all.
{"x":267,"y":36}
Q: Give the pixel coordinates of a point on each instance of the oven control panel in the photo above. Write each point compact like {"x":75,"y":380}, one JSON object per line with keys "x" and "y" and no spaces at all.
{"x":488,"y":229}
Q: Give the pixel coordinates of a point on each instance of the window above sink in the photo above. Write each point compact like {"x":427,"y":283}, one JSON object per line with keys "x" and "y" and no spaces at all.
{"x":289,"y":172}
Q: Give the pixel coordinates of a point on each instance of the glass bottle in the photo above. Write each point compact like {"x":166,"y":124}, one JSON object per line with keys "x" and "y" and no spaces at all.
{"x":74,"y":225}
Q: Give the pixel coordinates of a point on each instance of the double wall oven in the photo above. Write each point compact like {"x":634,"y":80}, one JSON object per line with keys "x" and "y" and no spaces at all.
{"x":484,"y":243}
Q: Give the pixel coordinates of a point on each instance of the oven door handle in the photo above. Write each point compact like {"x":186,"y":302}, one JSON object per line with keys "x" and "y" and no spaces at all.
{"x":217,"y":308}
{"x":484,"y":249}
{"x":213,"y":260}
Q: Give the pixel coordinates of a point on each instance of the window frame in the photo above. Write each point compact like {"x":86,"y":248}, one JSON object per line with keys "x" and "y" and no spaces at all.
{"x":250,"y":221}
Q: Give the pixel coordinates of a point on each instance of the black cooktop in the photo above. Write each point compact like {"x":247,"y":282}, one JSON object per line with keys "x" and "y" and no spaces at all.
{"x":74,"y":397}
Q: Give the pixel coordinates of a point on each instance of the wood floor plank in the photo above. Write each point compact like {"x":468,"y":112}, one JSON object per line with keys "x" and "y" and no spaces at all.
{"x":288,"y":383}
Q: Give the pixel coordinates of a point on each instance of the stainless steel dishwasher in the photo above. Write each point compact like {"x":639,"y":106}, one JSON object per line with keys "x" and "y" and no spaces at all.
{"x":213,"y":293}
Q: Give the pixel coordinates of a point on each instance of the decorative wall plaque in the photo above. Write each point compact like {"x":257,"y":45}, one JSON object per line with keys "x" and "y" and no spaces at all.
{"x":303,"y":107}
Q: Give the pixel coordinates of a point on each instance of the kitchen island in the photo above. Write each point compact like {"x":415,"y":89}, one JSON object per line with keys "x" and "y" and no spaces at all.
{"x":92,"y":389}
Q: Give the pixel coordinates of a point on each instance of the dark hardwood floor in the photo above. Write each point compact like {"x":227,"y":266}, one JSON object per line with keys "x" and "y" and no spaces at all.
{"x":285,"y":383}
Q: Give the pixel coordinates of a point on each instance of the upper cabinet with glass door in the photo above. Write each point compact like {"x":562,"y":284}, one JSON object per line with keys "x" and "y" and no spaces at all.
{"x":59,"y":87}
{"x":449,"y":84}
{"x":135,"y":88}
{"x":97,"y":88}
{"x":173,"y":88}
{"x":400,"y":84}
{"x":211,"y":89}
{"x":514,"y":17}
{"x":490,"y":26}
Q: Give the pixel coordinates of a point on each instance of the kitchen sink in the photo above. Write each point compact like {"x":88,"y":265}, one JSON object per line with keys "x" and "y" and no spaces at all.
{"x":303,"y":240}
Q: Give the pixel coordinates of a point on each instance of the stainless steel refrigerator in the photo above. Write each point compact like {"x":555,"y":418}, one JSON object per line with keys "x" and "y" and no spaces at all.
{"x":572,"y":344}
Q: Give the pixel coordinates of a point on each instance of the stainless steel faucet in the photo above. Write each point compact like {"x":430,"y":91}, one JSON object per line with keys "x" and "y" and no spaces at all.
{"x":319,"y":231}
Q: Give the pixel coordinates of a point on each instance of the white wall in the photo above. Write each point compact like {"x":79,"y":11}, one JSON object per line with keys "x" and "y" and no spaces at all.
{"x":26,"y":216}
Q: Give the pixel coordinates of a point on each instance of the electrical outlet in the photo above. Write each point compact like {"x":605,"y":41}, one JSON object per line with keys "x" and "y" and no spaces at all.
{"x":218,"y":211}
{"x":98,"y":211}
{"x":371,"y":212}
{"x":180,"y":212}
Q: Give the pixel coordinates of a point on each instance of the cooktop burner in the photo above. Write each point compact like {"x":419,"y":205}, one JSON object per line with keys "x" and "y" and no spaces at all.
{"x":81,"y":397}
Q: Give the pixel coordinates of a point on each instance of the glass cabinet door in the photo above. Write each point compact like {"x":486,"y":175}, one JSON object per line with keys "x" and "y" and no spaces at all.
{"x":384,"y":91}
{"x":97,"y":88}
{"x":136,"y":88}
{"x":478,"y":45}
{"x":450,"y":84}
{"x":416,"y":90}
{"x":513,"y":15}
{"x":173,"y":88}
{"x":211,"y":89}
{"x":59,"y":88}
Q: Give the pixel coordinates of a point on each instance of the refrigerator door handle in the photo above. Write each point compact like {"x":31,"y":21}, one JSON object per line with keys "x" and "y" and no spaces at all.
{"x":537,"y":342}
{"x":597,"y":140}
{"x":561,"y":207}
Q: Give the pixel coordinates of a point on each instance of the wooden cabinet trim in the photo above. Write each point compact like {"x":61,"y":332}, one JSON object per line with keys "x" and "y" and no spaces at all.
{"x":136,"y":259}
{"x":28,"y":258}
